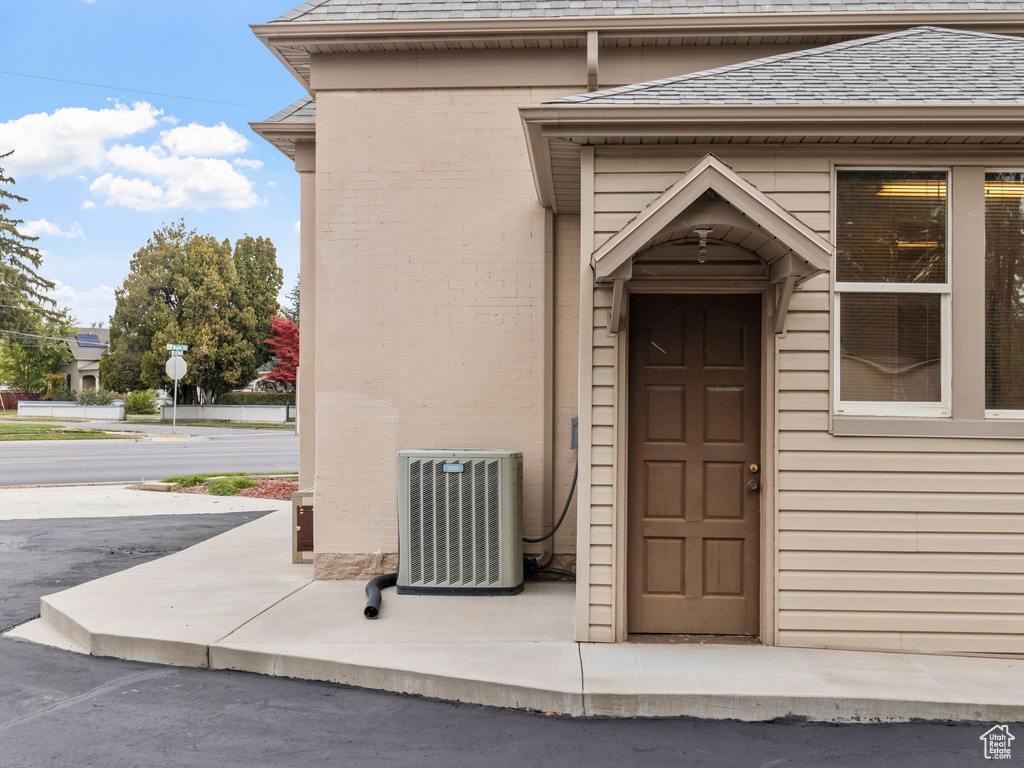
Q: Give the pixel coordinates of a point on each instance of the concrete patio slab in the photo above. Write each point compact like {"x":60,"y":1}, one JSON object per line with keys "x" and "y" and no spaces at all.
{"x":171,"y":610}
{"x":764,"y":683}
{"x":41,"y":632}
{"x":236,"y":602}
{"x":117,"y":501}
{"x":544,"y":616}
{"x":539,"y":676}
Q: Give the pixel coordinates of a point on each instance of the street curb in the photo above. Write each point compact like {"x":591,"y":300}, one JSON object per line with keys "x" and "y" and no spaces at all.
{"x":68,"y":485}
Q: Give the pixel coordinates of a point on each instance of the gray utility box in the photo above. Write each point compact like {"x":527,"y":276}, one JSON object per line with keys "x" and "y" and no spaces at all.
{"x":460,"y":522}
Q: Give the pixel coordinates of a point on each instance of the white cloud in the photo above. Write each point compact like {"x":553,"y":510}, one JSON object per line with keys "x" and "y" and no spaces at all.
{"x":193,"y":183}
{"x":87,"y":305}
{"x":194,"y":140}
{"x":130,"y":193}
{"x":297,"y":227}
{"x":44,"y":228}
{"x":183,"y":170}
{"x":71,"y":138}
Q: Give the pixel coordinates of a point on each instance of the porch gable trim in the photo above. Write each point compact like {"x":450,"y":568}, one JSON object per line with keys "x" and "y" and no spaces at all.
{"x":710,"y":173}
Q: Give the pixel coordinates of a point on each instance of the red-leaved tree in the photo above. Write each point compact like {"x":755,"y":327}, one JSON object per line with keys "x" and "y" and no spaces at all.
{"x":284,"y":345}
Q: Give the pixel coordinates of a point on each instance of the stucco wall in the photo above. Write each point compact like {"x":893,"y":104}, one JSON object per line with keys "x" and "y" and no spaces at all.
{"x":429,"y":301}
{"x":889,"y":543}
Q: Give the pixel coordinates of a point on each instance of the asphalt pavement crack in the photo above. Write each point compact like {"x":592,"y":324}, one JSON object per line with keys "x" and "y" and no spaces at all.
{"x":100,"y":690}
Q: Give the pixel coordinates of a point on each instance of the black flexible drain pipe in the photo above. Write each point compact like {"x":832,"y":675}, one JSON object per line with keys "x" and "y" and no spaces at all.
{"x":568,"y":501}
{"x":373,"y":588}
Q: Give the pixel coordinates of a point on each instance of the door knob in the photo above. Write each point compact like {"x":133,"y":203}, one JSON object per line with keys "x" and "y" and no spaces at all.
{"x":753,"y":485}
{"x":754,"y":468}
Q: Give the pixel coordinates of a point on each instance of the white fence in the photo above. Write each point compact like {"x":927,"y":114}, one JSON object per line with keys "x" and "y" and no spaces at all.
{"x":50,"y":410}
{"x":253,"y":414}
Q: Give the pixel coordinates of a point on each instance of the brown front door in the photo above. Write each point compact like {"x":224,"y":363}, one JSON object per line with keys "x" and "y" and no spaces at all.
{"x":694,"y":434}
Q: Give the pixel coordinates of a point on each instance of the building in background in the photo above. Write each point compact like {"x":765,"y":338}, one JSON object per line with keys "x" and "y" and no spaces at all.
{"x":87,"y":345}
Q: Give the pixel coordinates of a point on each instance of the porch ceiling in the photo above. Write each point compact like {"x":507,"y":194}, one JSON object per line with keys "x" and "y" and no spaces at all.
{"x":733,"y":238}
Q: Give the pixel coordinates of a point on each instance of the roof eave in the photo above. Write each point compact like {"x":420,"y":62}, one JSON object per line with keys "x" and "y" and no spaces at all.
{"x":571,"y":120}
{"x":697,"y":24}
{"x":585,"y":122}
{"x":310,"y":37}
{"x":284,"y":135}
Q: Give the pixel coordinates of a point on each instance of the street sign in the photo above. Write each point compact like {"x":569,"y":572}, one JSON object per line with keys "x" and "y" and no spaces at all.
{"x":176,"y":368}
{"x":177,"y":347}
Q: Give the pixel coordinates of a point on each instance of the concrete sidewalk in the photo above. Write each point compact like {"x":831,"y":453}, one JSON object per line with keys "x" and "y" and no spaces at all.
{"x":236,"y":602}
{"x":118,"y":501}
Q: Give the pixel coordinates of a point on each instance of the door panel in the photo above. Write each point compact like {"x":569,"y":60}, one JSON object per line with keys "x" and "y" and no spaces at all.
{"x":694,"y":432}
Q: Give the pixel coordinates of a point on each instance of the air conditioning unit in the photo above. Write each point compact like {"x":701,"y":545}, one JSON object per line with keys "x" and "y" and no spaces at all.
{"x":460,"y":522}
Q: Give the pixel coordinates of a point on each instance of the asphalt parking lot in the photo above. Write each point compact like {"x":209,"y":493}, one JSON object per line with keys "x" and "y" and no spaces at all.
{"x":64,"y":709}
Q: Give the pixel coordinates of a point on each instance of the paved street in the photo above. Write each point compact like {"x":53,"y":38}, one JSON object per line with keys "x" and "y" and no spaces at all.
{"x":159,"y":455}
{"x":59,"y":708}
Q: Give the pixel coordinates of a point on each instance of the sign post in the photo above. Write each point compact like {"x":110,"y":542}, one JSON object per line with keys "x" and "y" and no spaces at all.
{"x":176,"y":368}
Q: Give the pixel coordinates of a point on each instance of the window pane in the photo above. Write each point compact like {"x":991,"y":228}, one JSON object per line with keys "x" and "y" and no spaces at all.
{"x":891,"y":226}
{"x":890,"y":347}
{"x":1004,"y":291}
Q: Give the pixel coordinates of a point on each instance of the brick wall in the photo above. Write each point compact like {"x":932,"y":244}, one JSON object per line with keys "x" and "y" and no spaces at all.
{"x":429,"y":301}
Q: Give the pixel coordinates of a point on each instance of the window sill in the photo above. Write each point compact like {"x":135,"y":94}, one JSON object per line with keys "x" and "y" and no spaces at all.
{"x":887,"y":426}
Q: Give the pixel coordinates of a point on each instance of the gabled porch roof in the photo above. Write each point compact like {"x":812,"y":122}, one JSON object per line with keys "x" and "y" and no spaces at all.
{"x":792,"y":251}
{"x":812,"y":253}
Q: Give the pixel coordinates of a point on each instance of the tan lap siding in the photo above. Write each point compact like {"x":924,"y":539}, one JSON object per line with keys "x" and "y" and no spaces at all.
{"x":602,"y":472}
{"x":887,"y":543}
{"x":567,"y":369}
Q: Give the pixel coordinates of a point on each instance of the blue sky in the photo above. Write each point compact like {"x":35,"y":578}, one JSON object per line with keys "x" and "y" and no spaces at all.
{"x":102,"y":169}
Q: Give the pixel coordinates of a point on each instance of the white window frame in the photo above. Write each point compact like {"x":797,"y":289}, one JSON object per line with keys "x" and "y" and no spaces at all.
{"x":997,"y":413}
{"x":942,"y":408}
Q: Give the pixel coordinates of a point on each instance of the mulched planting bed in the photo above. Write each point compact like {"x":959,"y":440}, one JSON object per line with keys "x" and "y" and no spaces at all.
{"x":267,"y":488}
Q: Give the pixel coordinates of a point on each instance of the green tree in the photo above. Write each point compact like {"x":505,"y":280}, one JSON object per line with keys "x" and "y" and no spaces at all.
{"x":213,"y":319}
{"x":26,"y":360}
{"x":256,"y":264}
{"x":23,"y":299}
{"x":145,"y":302}
{"x":292,"y":311}
{"x":185,"y":288}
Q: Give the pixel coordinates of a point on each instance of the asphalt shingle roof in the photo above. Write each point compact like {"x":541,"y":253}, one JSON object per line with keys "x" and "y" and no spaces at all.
{"x":923,"y":65}
{"x":302,"y":111}
{"x":91,"y":351}
{"x":369,"y":10}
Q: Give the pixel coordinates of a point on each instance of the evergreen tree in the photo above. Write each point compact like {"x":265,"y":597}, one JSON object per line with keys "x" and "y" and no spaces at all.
{"x":292,"y":311}
{"x":23,"y":299}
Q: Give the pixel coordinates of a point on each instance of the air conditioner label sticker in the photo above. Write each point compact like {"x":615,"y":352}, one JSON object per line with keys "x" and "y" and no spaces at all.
{"x":453,"y":467}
